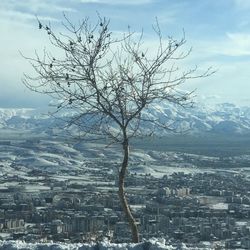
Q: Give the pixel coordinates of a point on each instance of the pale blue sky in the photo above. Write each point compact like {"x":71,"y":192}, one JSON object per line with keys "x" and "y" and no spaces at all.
{"x":218,"y":31}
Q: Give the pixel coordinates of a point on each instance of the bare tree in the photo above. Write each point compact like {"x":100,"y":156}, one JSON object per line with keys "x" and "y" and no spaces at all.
{"x":109,"y":82}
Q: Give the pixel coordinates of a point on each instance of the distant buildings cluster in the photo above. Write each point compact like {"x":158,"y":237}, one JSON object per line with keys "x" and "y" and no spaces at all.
{"x":190,"y":208}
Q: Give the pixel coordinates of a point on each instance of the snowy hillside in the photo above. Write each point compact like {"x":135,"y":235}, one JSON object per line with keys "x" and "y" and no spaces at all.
{"x":220,"y":118}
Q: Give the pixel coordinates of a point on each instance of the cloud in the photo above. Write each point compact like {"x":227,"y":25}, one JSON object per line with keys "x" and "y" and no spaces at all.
{"x":34,"y":6}
{"x":239,"y":44}
{"x":23,"y":17}
{"x":118,"y":2}
{"x":25,"y":12}
{"x":242,"y":4}
{"x":230,"y":82}
{"x":17,"y":34}
{"x":208,"y":99}
{"x":226,"y":50}
{"x":235,"y":45}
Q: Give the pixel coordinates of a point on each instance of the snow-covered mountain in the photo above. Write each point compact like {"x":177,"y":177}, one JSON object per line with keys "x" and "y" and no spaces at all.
{"x":221,"y":118}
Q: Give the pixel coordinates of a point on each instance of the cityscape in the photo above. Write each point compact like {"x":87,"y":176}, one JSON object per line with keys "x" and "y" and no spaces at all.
{"x":197,"y":207}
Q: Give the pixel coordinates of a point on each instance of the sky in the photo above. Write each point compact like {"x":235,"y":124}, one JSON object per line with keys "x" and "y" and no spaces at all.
{"x":217,"y":30}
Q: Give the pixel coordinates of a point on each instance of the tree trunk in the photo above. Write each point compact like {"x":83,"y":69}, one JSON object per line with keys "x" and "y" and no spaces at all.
{"x":123,"y":199}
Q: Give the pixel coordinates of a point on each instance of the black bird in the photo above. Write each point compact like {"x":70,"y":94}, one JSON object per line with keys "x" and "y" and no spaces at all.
{"x":40,"y":25}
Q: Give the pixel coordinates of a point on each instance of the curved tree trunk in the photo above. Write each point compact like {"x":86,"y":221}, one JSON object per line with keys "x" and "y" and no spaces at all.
{"x":123,"y":199}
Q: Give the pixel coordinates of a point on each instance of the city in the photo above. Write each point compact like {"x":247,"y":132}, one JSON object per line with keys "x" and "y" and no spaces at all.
{"x":81,"y":204}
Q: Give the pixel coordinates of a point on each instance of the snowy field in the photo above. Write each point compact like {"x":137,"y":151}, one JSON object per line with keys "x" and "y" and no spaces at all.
{"x":149,"y":245}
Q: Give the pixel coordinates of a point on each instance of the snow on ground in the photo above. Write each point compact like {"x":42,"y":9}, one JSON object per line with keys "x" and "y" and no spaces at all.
{"x":220,"y":206}
{"x":141,"y":170}
{"x":149,"y":245}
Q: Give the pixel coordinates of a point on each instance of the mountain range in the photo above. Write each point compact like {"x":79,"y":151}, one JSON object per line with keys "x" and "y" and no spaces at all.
{"x":225,"y":118}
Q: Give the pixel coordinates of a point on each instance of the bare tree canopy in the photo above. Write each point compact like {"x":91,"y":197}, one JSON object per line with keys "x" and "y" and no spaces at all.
{"x":111,"y":81}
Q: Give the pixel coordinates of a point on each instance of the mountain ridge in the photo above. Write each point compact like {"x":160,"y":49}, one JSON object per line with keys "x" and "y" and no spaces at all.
{"x":225,"y":118}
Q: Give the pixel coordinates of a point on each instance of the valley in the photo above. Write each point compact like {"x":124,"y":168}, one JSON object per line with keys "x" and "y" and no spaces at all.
{"x":192,"y":187}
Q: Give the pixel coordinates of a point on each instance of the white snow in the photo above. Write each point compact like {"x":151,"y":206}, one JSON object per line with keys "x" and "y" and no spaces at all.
{"x":153,"y":244}
{"x":217,"y":118}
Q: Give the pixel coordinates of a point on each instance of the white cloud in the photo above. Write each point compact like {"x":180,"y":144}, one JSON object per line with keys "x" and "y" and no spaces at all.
{"x":33,"y":6}
{"x":238,"y":44}
{"x":242,"y":4}
{"x":118,"y":2}
{"x":23,"y":17}
{"x":230,"y":82}
{"x":231,"y":45}
{"x":16,"y":36}
{"x":224,"y":52}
